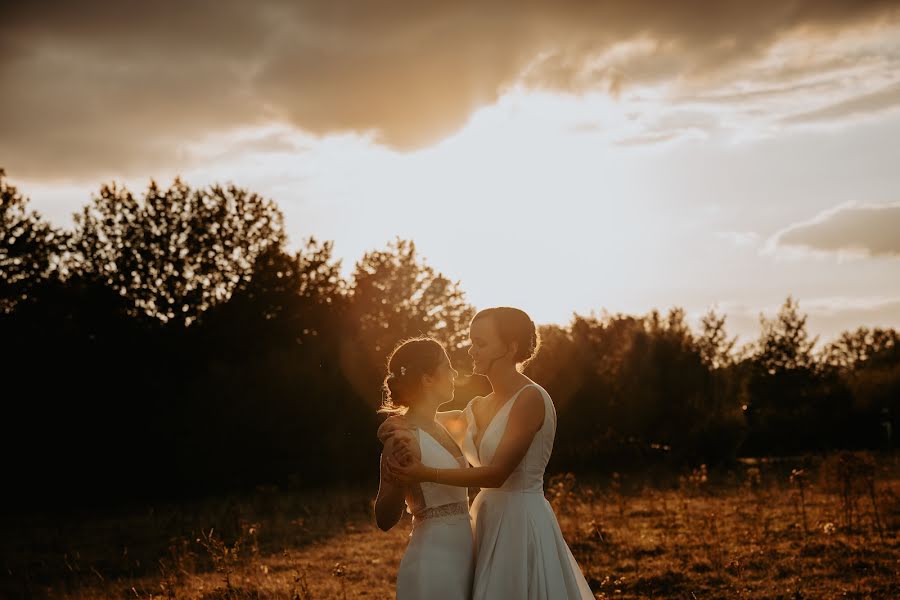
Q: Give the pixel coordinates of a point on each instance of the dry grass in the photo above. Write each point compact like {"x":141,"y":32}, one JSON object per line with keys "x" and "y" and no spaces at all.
{"x":760,"y":531}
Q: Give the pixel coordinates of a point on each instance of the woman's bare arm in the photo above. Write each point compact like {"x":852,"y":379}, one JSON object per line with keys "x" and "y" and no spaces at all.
{"x":525,"y":419}
{"x":391,"y":496}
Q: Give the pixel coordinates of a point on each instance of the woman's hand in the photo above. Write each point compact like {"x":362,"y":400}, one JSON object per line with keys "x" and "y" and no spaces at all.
{"x":401,"y":450}
{"x":413,"y":471}
{"x":398,"y":448}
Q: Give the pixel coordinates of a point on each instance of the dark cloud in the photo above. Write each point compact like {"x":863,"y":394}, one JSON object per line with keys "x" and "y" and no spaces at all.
{"x":869,"y":229}
{"x":118,"y":86}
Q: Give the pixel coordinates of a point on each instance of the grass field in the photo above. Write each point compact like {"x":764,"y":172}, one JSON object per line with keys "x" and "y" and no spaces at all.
{"x":807,"y":528}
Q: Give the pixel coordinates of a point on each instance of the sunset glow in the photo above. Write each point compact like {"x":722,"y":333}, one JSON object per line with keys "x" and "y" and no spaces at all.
{"x":646,"y":171}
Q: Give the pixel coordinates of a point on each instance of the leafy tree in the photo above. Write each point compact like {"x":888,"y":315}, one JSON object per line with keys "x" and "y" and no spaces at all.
{"x":558,"y":366}
{"x":177,"y":251}
{"x":396,"y":295}
{"x":784,"y":343}
{"x":862,"y":347}
{"x":792,"y":405}
{"x":30,"y":248}
{"x":713,"y":342}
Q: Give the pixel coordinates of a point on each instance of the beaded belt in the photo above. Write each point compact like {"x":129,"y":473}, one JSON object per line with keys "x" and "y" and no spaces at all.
{"x":444,"y":510}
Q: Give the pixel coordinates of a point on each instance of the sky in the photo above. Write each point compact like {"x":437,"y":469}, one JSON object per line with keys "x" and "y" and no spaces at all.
{"x":565,"y":156}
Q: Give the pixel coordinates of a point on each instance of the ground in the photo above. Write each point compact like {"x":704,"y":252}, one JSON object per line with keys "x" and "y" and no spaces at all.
{"x":830,"y":529}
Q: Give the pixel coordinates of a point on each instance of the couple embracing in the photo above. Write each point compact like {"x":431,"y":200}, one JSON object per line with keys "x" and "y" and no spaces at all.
{"x":508,"y":544}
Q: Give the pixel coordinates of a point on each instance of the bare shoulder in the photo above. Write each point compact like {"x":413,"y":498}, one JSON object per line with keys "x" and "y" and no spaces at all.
{"x":531,"y":397}
{"x":528,"y":409}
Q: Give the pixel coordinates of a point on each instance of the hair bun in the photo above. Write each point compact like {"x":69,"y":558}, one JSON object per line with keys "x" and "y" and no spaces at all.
{"x":407,"y":363}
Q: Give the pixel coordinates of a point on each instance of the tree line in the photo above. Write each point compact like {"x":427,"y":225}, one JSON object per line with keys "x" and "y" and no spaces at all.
{"x":171,"y":344}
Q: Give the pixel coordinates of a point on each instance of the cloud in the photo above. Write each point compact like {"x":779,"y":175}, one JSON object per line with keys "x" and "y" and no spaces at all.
{"x":869,"y":230}
{"x":872,"y":103}
{"x":649,"y":138}
{"x":120,"y":87}
{"x":828,"y":316}
{"x":764,"y":92}
{"x":833,"y":306}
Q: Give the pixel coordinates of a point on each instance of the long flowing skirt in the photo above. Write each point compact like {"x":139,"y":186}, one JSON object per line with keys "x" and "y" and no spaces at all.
{"x":520,"y":550}
{"x":439,"y":562}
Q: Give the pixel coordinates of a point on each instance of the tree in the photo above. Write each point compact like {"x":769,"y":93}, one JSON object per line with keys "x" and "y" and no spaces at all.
{"x":667,"y":382}
{"x":294,"y":292}
{"x":270,"y":374}
{"x":867,"y":361}
{"x":713,"y":342}
{"x":176,"y":252}
{"x":396,"y":295}
{"x":793,"y":405}
{"x":29,"y":247}
{"x":784,"y":343}
{"x":558,"y":366}
{"x":856,"y":349}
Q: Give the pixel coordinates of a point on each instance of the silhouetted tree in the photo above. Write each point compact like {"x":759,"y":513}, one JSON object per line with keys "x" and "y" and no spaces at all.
{"x":271,"y":357}
{"x":867,"y":361}
{"x":175,"y":252}
{"x":864,"y":346}
{"x":558,"y":366}
{"x":792,"y":404}
{"x":713,"y":343}
{"x":784,"y":343}
{"x":172,"y":345}
{"x":396,"y":295}
{"x":30,"y":248}
{"x":667,"y":385}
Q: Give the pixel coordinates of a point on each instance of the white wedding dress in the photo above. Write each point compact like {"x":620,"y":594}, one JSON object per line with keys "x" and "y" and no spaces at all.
{"x":440,"y":559}
{"x":520,"y":550}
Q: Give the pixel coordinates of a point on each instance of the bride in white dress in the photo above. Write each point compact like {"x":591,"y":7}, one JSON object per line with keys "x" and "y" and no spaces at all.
{"x":439,"y":560}
{"x":508,"y":438}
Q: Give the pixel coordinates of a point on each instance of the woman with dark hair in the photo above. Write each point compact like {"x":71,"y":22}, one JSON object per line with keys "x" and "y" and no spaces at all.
{"x":508,"y":439}
{"x":439,"y":560}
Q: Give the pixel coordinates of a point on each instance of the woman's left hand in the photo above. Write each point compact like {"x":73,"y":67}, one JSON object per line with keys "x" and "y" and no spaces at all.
{"x":411,"y":472}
